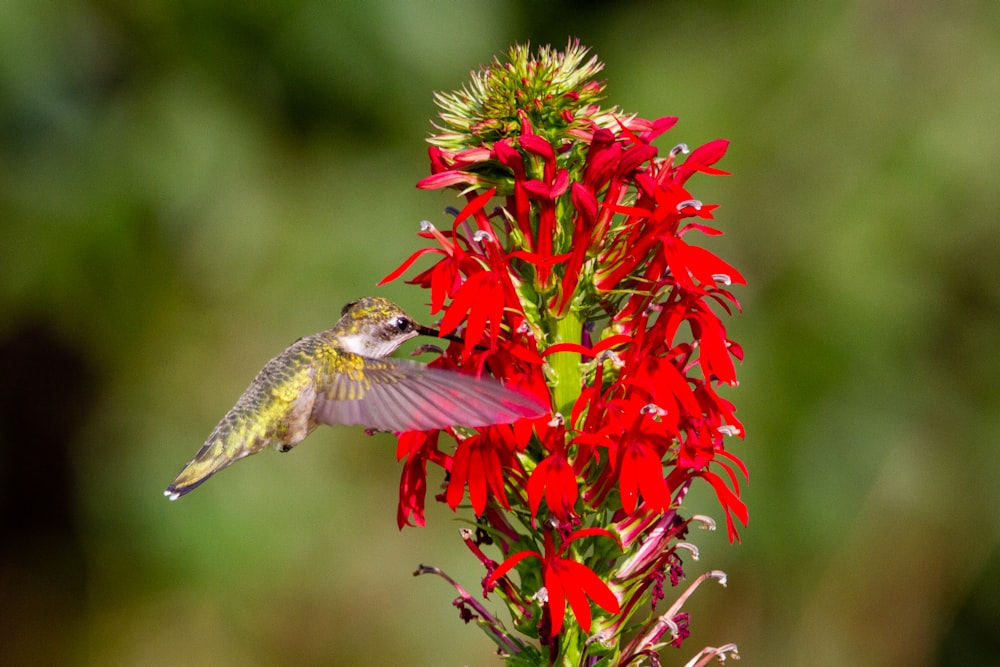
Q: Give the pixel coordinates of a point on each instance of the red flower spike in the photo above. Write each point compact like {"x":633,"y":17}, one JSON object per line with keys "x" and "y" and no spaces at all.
{"x":591,"y":237}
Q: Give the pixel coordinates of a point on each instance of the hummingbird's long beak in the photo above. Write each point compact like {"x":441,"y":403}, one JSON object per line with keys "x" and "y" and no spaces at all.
{"x":434,"y":333}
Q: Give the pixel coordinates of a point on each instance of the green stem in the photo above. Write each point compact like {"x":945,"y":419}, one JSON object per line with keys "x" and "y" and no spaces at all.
{"x":570,"y":647}
{"x":566,"y":365}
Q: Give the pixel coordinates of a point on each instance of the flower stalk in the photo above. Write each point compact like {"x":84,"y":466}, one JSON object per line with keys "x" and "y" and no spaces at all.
{"x":564,"y":367}
{"x":570,"y":273}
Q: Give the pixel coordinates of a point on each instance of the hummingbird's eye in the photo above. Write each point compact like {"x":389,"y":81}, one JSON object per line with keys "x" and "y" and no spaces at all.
{"x":403,"y":324}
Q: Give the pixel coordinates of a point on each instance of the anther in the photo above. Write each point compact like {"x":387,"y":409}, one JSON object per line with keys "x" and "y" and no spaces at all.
{"x":652,"y":409}
{"x":707,"y":522}
{"x":690,"y":547}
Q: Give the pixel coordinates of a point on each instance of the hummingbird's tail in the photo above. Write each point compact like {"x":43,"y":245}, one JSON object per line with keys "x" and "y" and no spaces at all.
{"x":213,"y":456}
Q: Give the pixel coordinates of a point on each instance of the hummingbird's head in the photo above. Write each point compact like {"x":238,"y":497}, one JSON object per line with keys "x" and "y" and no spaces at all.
{"x":375,"y":327}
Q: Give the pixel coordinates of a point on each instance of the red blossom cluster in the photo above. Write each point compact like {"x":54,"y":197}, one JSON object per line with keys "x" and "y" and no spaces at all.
{"x":581,"y":288}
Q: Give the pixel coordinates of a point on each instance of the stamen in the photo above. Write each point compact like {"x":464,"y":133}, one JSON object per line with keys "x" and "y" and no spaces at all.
{"x":482,"y":235}
{"x":427,"y":226}
{"x":728,"y":429}
{"x":678,"y":149}
{"x":692,"y":203}
{"x":652,"y":636}
{"x":707,"y":522}
{"x":690,"y":547}
{"x":722,"y":278}
{"x":613,"y":357}
{"x":603,"y":637}
{"x":720,"y":653}
{"x":652,"y":409}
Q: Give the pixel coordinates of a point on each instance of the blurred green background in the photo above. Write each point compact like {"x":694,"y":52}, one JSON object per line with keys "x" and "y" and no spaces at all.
{"x":187,"y":187}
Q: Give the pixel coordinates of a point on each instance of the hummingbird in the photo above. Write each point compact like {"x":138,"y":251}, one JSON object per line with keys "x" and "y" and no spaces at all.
{"x":344,"y":375}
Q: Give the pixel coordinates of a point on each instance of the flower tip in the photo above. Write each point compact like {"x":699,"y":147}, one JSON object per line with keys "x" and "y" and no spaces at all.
{"x":679,"y":149}
{"x":707,"y":522}
{"x":652,"y":409}
{"x":720,"y":653}
{"x":722,"y":278}
{"x":719,"y":576}
{"x":695,"y":554}
{"x":610,"y":355}
{"x":602,"y":637}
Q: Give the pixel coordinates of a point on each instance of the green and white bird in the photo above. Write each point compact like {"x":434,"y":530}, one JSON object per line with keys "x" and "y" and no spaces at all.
{"x":343,"y":376}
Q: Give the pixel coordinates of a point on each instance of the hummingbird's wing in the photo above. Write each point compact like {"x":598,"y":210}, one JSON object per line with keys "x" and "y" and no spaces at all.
{"x":401,"y":395}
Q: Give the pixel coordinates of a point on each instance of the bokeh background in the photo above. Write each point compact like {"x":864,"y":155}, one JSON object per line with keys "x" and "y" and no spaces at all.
{"x":186,"y":187}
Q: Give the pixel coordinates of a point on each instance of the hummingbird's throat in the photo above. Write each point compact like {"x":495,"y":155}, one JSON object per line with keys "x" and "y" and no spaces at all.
{"x":375,"y":347}
{"x":368,"y":346}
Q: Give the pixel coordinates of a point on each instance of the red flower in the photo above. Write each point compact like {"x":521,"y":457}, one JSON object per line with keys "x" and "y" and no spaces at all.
{"x":636,"y":444}
{"x":417,"y":447}
{"x":566,"y":580}
{"x":479,"y":463}
{"x":553,"y":478}
{"x":584,"y":287}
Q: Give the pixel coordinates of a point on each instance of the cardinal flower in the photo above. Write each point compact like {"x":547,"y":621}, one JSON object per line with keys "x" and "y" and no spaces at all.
{"x":573,"y":270}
